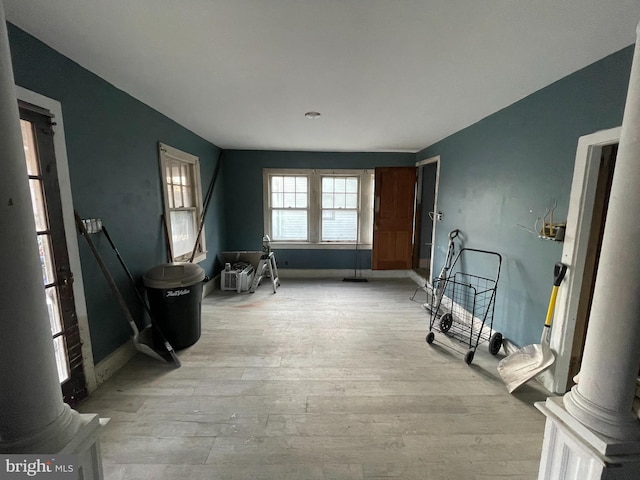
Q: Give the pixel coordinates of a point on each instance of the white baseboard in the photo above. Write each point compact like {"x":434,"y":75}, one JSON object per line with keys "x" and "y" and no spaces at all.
{"x":341,"y":273}
{"x":108,"y":366}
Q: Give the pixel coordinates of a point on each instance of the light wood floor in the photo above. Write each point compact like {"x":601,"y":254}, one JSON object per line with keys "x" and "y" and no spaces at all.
{"x":323,"y":380}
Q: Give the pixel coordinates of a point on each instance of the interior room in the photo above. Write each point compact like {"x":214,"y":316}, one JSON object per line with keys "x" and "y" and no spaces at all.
{"x":224,"y":133}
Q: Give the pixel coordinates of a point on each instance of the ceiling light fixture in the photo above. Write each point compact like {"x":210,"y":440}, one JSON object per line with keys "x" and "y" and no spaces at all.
{"x":312,"y":114}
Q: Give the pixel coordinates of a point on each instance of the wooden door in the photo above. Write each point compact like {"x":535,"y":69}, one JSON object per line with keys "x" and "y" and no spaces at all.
{"x":393,"y":218}
{"x":37,"y":136}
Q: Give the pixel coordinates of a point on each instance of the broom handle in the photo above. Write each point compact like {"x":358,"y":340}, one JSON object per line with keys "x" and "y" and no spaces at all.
{"x":207,"y":201}
{"x":559,"y":270}
{"x":124,"y":266}
{"x":147,"y":308}
{"x":107,"y":275}
{"x":552,"y":306}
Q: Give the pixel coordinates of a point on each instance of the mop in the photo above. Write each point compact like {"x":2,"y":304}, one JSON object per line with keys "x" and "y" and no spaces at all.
{"x":439,"y":282}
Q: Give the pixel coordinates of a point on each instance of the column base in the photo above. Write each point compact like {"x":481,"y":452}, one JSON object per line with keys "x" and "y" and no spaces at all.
{"x":49,"y":439}
{"x":620,"y":425}
{"x":572,"y":451}
{"x":86,"y":445}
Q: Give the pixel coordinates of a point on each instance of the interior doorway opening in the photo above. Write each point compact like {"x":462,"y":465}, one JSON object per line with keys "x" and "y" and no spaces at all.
{"x":596,"y":231}
{"x":585,"y":221}
{"x":426,"y":217}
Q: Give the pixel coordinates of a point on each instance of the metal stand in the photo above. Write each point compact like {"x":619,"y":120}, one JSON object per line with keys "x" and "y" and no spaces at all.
{"x":266,"y":268}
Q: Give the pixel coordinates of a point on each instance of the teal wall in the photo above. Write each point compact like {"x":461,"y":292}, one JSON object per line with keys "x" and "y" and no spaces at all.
{"x":244,"y":200}
{"x":516,"y":161}
{"x":113,"y":162}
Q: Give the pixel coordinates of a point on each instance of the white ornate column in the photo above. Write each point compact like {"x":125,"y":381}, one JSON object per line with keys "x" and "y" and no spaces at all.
{"x":593,"y":433}
{"x":33,"y":417}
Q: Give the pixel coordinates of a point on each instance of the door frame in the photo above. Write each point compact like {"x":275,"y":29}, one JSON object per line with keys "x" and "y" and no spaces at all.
{"x":579,"y":219}
{"x":419,"y":164}
{"x":66,"y":199}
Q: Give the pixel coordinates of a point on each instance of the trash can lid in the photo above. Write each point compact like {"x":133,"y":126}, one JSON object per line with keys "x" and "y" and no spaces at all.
{"x":172,"y":275}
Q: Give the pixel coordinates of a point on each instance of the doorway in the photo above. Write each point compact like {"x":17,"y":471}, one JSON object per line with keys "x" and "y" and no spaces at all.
{"x":585,"y":220}
{"x":43,"y":132}
{"x":37,"y":137}
{"x":594,"y":245}
{"x":426,"y":216}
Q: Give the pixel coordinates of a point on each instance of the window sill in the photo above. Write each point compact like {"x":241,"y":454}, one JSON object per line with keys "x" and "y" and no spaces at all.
{"x":318,"y":246}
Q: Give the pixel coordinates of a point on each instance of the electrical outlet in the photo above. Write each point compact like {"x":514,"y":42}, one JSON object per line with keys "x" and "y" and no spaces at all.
{"x":439,"y":216}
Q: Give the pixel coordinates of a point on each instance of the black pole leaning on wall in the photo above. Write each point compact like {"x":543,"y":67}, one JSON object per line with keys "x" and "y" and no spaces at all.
{"x":207,"y":202}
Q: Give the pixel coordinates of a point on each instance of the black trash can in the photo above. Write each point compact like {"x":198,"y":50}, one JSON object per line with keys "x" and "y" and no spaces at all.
{"x":175,"y":296}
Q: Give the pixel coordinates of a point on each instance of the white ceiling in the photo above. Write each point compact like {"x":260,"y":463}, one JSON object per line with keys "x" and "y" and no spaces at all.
{"x":387,"y":75}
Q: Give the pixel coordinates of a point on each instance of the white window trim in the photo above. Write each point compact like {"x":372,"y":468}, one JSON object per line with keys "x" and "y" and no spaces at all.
{"x":365,"y":233}
{"x":166,"y":152}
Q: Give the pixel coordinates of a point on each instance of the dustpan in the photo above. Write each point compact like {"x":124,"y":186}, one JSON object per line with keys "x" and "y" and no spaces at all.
{"x":528,"y":362}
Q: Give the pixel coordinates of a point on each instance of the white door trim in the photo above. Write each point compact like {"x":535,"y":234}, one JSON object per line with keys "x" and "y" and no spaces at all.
{"x":422,"y":163}
{"x":64,"y":181}
{"x":579,"y":216}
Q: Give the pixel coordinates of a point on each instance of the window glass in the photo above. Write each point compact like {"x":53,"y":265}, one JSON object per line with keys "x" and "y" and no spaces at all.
{"x":339,"y":225}
{"x":37,"y":200}
{"x":182,"y":232}
{"x":53,"y":306}
{"x":289,"y":225}
{"x":60,"y":349}
{"x":29,"y":145}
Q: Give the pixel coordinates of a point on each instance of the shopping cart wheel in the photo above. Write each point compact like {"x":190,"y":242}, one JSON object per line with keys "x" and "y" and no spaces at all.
{"x":430,"y":337}
{"x":445,"y":322}
{"x":495,"y":343}
{"x":468,"y":358}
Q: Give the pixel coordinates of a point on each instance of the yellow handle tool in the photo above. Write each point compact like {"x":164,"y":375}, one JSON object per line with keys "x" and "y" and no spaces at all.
{"x":558,"y":274}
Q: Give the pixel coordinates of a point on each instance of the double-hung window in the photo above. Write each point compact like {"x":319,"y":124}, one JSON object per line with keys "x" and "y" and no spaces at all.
{"x":182,"y":193}
{"x":340,"y":211}
{"x":318,"y":208}
{"x":289,"y":207}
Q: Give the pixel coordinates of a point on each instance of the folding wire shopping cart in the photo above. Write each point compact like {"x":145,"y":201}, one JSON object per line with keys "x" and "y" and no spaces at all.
{"x":463,"y":304}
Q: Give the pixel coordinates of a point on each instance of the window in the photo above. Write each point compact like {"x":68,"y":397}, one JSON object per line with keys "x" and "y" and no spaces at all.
{"x":325,"y":208}
{"x":339,"y":209}
{"x":182,"y":192}
{"x":289,"y":207}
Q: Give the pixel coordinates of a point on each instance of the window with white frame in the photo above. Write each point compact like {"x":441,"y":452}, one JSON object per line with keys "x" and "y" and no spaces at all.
{"x":289,"y":207}
{"x":182,"y":193}
{"x":324,"y":208}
